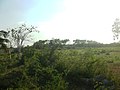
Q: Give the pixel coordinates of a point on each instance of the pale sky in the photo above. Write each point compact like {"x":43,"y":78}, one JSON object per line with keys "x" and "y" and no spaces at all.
{"x":64,"y":19}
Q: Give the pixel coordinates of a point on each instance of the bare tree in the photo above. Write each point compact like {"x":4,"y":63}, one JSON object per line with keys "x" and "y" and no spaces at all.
{"x":116,"y":29}
{"x":20,"y":35}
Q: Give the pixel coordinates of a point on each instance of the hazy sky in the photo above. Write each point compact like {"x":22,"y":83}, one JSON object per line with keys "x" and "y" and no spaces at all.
{"x":65,"y":19}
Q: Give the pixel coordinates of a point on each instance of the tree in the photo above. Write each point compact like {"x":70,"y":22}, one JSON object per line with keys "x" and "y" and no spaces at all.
{"x":3,"y":39}
{"x":64,"y":42}
{"x":76,"y":42}
{"x":79,"y":42}
{"x":20,"y":35}
{"x":40,"y":44}
{"x":116,"y":29}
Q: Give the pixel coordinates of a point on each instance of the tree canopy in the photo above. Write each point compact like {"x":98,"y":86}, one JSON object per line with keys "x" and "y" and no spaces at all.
{"x":3,"y":39}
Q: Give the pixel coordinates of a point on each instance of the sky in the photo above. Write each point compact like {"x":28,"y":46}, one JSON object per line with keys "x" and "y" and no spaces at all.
{"x":64,"y":19}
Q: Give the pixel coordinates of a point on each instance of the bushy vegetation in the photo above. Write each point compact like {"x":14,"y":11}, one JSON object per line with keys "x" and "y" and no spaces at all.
{"x":52,"y":66}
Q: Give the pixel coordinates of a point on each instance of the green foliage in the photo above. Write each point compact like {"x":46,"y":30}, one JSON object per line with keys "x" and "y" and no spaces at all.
{"x":3,"y":40}
{"x":50,"y":68}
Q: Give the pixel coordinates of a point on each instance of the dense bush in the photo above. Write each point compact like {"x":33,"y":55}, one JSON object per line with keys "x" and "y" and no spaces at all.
{"x":59,"y":69}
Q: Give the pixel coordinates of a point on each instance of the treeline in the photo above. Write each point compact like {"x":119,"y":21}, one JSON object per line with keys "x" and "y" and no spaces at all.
{"x":74,"y":45}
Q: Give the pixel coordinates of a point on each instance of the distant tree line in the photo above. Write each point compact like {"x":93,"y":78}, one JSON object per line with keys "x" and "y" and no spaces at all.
{"x":64,"y":44}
